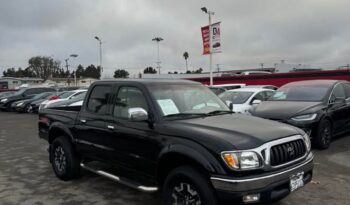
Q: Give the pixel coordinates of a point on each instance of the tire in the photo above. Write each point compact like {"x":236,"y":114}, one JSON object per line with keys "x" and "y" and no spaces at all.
{"x":324,"y":134}
{"x":65,"y":161}
{"x":27,"y":109}
{"x":186,"y":184}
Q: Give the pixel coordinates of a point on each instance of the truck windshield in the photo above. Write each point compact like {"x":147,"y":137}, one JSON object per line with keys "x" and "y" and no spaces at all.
{"x":180,"y":100}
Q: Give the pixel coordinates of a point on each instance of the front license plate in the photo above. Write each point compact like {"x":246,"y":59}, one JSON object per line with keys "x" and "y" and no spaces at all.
{"x":296,"y":181}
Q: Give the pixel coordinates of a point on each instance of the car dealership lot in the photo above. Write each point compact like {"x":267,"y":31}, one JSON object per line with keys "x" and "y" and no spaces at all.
{"x":26,"y":176}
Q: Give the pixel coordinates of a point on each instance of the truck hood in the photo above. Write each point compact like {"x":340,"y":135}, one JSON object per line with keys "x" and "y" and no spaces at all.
{"x":284,"y":110}
{"x":238,"y":130}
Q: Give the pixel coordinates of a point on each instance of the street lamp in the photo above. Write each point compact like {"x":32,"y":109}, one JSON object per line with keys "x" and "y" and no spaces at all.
{"x":158,"y":39}
{"x":210,"y":13}
{"x":67,"y":66}
{"x":100,"y":42}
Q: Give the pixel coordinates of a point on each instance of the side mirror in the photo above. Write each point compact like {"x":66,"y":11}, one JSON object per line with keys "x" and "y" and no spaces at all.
{"x":23,"y":95}
{"x":231,"y":106}
{"x":137,"y":114}
{"x":256,"y":102}
{"x":340,"y":100}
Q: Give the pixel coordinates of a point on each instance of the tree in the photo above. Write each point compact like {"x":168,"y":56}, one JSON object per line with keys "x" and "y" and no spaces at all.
{"x":121,"y":73}
{"x":92,"y":72}
{"x":12,"y":72}
{"x":43,"y":66}
{"x":80,"y":71}
{"x":185,"y":55}
{"x":150,"y":70}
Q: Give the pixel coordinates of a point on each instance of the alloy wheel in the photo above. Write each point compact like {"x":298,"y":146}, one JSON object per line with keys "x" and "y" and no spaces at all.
{"x":326,"y":133}
{"x":60,"y":159}
{"x":185,"y":194}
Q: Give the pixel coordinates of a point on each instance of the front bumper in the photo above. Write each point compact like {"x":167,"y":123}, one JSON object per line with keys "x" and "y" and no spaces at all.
{"x":271,"y":186}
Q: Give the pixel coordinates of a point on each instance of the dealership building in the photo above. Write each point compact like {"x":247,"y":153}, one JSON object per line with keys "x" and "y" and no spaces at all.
{"x":13,"y":83}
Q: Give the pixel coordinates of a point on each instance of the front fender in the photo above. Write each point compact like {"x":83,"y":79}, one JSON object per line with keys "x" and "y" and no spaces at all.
{"x":197,"y":153}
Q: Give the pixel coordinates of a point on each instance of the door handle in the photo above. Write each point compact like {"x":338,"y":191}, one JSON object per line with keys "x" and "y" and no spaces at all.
{"x":83,"y":121}
{"x":111,"y":127}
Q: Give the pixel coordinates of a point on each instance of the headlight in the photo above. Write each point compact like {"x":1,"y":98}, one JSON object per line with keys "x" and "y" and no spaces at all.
{"x":19,"y":104}
{"x":3,"y":100}
{"x":307,"y":142}
{"x":244,"y":160}
{"x":305,"y":117}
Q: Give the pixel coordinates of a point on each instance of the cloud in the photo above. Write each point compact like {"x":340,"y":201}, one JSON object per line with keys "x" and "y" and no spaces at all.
{"x":314,"y":32}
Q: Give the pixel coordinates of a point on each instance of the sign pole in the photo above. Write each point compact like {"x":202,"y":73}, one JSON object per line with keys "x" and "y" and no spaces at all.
{"x":210,"y":51}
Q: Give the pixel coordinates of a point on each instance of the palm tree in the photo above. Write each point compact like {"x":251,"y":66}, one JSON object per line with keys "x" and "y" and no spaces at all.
{"x":185,"y":55}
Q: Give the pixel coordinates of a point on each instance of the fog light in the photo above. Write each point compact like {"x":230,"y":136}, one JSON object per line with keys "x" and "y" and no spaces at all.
{"x":251,"y":198}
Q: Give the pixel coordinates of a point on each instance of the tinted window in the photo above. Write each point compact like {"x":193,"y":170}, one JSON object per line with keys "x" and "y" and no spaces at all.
{"x":347,"y":89}
{"x":32,"y":91}
{"x":338,"y":92}
{"x":98,"y":99}
{"x":235,"y":97}
{"x":129,"y":97}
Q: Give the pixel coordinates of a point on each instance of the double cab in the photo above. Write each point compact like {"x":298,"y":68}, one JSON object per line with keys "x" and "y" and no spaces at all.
{"x":178,"y":138}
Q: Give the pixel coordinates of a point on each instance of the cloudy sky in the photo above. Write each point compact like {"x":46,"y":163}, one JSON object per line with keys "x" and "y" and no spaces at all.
{"x":313,"y":32}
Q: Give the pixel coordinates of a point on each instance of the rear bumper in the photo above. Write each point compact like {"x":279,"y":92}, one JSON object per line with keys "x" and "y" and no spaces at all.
{"x":271,"y":187}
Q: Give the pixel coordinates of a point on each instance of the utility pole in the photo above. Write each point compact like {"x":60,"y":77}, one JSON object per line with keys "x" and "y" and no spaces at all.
{"x":158,"y":39}
{"x":210,"y":13}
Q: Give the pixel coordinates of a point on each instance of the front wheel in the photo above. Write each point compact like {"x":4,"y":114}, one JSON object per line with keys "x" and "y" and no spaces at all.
{"x":324,"y":134}
{"x":187,"y":186}
{"x":65,"y":161}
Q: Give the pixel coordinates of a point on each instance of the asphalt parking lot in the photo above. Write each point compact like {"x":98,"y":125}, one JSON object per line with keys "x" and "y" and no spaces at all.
{"x":26,"y":176}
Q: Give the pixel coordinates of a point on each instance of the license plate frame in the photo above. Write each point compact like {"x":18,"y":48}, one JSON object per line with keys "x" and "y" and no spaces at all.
{"x":296,"y":181}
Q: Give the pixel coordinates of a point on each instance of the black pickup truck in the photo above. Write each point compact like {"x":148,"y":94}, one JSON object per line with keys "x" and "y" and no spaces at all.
{"x":177,"y":137}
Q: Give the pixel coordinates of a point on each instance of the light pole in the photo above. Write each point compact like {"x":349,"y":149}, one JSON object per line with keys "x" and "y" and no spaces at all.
{"x":67,"y":66}
{"x":100,"y":42}
{"x":205,"y":10}
{"x":158,"y":39}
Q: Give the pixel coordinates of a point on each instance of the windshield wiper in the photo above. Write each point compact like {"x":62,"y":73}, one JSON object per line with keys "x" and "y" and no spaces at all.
{"x":220,"y":112}
{"x":185,"y":114}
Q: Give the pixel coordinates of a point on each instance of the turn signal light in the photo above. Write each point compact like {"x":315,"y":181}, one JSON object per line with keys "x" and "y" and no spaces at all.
{"x":231,"y":160}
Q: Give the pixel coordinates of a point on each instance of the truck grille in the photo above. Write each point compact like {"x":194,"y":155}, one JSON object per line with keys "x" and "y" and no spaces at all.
{"x":287,"y":152}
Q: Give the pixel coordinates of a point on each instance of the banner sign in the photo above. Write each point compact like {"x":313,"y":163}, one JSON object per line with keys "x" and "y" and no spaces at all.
{"x":215,"y":36}
{"x":206,"y":41}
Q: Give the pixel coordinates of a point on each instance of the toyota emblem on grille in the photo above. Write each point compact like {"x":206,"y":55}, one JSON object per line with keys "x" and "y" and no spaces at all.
{"x":290,"y":150}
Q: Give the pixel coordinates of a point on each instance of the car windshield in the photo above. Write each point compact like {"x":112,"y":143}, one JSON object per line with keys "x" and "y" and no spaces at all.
{"x":188,"y":99}
{"x":313,"y":93}
{"x":235,"y":97}
{"x":66,"y":95}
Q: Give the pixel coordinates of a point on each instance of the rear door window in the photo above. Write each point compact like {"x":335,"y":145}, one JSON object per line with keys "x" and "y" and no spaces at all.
{"x":98,"y":99}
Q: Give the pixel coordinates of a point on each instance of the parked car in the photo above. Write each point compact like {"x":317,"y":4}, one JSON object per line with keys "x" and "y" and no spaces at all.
{"x":271,"y":87}
{"x":24,"y":105}
{"x":75,"y":101}
{"x":24,"y":93}
{"x":6,"y":94}
{"x":257,"y":72}
{"x":242,"y":99}
{"x":179,"y":137}
{"x":217,"y":89}
{"x":320,"y":107}
{"x":65,"y":96}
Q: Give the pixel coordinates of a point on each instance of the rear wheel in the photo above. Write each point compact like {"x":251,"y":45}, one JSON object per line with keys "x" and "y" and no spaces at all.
{"x":65,"y":162}
{"x":187,"y":186}
{"x":324,"y":134}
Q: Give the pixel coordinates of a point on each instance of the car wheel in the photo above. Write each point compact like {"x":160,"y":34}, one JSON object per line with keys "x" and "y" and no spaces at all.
{"x":186,"y":185}
{"x":28,"y":109}
{"x":324,"y":134}
{"x":65,"y":161}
